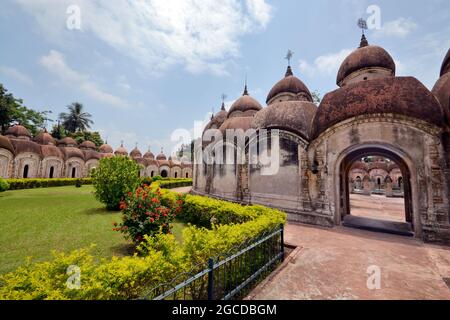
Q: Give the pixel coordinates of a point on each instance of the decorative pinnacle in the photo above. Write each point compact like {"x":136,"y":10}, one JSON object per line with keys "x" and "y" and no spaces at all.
{"x":362,"y":24}
{"x":224,"y":96}
{"x":245,"y":88}
{"x":289,"y":56}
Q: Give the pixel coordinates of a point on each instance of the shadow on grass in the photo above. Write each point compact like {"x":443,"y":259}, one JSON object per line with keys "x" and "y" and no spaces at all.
{"x":125,"y":249}
{"x":101,"y":211}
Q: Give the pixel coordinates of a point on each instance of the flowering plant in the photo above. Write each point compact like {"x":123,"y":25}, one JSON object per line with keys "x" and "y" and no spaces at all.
{"x":145,"y":212}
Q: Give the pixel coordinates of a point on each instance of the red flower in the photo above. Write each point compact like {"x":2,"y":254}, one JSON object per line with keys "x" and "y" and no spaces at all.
{"x":152,"y":220}
{"x":155,"y":200}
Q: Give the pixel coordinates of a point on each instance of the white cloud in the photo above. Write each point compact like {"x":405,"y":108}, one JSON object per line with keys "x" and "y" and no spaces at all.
{"x":15,"y":74}
{"x":324,"y":65}
{"x":201,"y":35}
{"x":400,"y":28}
{"x":55,"y":63}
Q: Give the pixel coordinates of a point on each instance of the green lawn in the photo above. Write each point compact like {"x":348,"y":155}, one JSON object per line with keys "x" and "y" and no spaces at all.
{"x":34,"y":222}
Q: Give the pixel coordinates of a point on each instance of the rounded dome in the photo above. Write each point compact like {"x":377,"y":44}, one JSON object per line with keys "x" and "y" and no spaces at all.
{"x":294,"y":116}
{"x":243,"y":123}
{"x":5,"y":143}
{"x":135,"y":153}
{"x":45,"y":138}
{"x":445,"y":68}
{"x":289,"y":84}
{"x":91,"y":154}
{"x":441,"y":91}
{"x":106,"y":148}
{"x":49,"y":150}
{"x":72,"y":152}
{"x":366,"y":56}
{"x":18,"y":131}
{"x":217,"y":119}
{"x":244,"y":106}
{"x":23,"y":146}
{"x":400,"y":95}
{"x":161,"y":156}
{"x":88,"y":145}
{"x":67,"y":141}
{"x":121,"y":151}
{"x":149,"y":155}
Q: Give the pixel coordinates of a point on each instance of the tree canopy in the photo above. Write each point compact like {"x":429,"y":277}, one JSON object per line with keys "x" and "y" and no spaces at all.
{"x":76,"y":120}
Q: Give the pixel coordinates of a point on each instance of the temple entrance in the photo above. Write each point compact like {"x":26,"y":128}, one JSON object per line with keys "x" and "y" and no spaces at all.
{"x":164,"y":174}
{"x":375,"y":192}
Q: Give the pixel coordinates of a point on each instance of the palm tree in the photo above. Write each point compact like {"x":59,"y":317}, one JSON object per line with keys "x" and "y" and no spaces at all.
{"x":76,"y":119}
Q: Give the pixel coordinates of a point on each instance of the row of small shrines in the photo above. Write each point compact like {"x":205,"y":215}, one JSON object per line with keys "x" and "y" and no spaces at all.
{"x":22,"y":156}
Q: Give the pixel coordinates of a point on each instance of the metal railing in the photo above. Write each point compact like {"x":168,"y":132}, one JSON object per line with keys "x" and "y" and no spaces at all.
{"x":231,"y":277}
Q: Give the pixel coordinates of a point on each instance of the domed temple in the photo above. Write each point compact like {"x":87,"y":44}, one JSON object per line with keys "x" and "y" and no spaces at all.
{"x":22,"y":156}
{"x":377,"y":133}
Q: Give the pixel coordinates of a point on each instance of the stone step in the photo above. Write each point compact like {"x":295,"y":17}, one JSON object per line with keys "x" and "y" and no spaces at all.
{"x":375,"y":225}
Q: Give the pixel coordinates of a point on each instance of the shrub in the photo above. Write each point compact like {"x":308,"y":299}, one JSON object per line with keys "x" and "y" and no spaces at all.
{"x":157,"y":178}
{"x":17,"y":184}
{"x":161,"y":257}
{"x":144,"y":213}
{"x":78,"y":183}
{"x":113,"y":179}
{"x":3,"y":185}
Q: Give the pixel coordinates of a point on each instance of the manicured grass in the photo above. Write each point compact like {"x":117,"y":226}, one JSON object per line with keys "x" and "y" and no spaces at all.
{"x":34,"y":222}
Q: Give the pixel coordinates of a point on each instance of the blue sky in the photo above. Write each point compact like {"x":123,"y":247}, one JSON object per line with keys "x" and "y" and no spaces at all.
{"x":145,"y":68}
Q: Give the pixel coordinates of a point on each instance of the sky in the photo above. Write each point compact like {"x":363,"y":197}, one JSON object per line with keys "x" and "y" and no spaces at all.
{"x":150,"y":71}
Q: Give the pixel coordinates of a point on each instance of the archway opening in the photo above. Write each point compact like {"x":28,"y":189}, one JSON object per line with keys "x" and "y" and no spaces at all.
{"x":25,"y":171}
{"x":52,"y":170}
{"x":164,"y":174}
{"x":176,"y":175}
{"x":381,"y":200}
{"x":74,"y":171}
{"x":187,"y":175}
{"x":152,"y":174}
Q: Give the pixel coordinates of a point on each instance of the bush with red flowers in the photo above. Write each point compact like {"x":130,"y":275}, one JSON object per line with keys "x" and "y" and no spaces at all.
{"x":146,"y":212}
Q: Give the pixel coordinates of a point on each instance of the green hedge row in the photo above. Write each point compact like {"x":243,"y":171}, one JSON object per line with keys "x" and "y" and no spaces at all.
{"x":160,"y":258}
{"x":174,"y":183}
{"x":16,"y":184}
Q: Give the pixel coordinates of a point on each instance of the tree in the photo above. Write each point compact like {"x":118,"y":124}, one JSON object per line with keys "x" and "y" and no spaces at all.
{"x":316,"y":97}
{"x":13,"y":111}
{"x":76,"y":120}
{"x":93,"y":136}
{"x":58,"y":131}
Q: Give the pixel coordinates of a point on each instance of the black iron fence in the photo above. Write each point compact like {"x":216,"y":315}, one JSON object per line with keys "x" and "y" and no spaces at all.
{"x":230,"y":277}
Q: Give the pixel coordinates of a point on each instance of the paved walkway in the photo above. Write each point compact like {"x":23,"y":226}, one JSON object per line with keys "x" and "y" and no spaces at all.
{"x":332,"y":264}
{"x":182,"y":189}
{"x":378,"y":207}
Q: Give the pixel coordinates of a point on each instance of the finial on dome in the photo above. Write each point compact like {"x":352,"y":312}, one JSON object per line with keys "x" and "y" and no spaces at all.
{"x":362,"y":24}
{"x":245,"y":88}
{"x":121,"y":143}
{"x":224,"y":96}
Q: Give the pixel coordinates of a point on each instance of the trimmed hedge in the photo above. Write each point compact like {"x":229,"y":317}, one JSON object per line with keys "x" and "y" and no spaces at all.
{"x":160,"y":259}
{"x":174,"y":183}
{"x":17,"y":184}
{"x":3,"y":185}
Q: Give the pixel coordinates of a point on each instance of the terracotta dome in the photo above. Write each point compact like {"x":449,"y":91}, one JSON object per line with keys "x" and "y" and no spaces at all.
{"x":24,"y":146}
{"x":217,"y":119}
{"x":106,"y":148}
{"x":400,"y":95}
{"x":45,"y":138}
{"x":67,"y":141}
{"x":88,"y":145}
{"x":294,"y":116}
{"x":48,"y":150}
{"x":161,"y":156}
{"x":441,"y":91}
{"x":72,"y":152}
{"x":244,"y":106}
{"x":135,"y":153}
{"x":243,"y":123}
{"x":5,"y":143}
{"x":91,"y":154}
{"x":366,"y":56}
{"x":121,"y":151}
{"x":18,"y":131}
{"x":149,"y":155}
{"x":289,"y":84}
{"x":446,"y":64}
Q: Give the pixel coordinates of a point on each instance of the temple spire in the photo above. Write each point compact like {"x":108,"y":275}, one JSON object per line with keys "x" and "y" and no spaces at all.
{"x":288,"y":58}
{"x":245,"y":88}
{"x":362,"y":24}
{"x":224,"y":96}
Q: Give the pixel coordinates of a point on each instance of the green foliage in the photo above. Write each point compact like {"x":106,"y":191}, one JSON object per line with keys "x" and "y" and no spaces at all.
{"x":316,"y":97}
{"x":145,"y":214}
{"x":167,"y":183}
{"x":76,"y":120}
{"x":160,"y":257}
{"x":94,"y":136}
{"x":16,"y":184}
{"x":58,"y":131}
{"x":113,"y":179}
{"x":157,"y":178}
{"x":13,"y":111}
{"x":3,"y":185}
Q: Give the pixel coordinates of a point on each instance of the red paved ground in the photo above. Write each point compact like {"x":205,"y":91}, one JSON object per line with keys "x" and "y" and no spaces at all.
{"x":332,"y":264}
